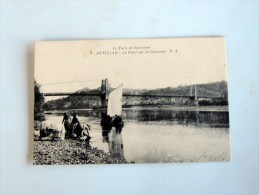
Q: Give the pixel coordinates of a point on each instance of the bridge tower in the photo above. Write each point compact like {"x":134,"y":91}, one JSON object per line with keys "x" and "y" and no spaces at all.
{"x":191,"y":91}
{"x":194,"y":96}
{"x":196,"y":102}
{"x":104,"y":92}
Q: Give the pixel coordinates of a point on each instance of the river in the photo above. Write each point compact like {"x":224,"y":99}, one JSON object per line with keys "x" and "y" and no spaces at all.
{"x":161,"y":135}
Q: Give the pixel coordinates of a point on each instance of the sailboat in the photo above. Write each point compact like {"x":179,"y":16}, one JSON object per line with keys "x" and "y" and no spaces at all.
{"x":114,"y":106}
{"x":114,"y":109}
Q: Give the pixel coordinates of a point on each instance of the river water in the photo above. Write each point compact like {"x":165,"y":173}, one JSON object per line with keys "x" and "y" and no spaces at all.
{"x":153,"y":135}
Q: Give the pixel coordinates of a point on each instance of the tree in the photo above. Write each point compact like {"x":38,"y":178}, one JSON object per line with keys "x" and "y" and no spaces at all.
{"x":38,"y":102}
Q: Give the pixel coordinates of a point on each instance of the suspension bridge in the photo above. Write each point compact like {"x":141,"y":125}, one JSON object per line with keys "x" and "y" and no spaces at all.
{"x":105,"y":90}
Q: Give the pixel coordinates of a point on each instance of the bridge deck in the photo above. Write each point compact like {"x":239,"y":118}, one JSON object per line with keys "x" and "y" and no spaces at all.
{"x":127,"y":95}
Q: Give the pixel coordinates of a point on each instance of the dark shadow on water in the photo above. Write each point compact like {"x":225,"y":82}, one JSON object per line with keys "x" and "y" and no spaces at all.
{"x":114,"y":139}
{"x":105,"y":134}
{"x":182,"y":117}
{"x":199,"y":118}
{"x":116,"y":144}
{"x":118,"y":129}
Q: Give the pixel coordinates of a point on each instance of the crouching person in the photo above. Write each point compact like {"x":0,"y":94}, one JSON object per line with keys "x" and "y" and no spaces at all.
{"x":85,"y":136}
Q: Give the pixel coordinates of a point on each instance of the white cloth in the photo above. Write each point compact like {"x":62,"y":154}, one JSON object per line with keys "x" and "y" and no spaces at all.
{"x":115,"y":102}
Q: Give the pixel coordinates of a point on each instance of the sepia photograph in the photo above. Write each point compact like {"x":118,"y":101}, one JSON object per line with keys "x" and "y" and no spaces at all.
{"x":159,"y":100}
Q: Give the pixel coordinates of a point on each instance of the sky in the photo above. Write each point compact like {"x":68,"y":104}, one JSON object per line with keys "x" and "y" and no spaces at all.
{"x":67,"y":66}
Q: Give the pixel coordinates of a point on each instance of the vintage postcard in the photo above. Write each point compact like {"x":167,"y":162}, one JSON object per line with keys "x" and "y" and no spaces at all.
{"x":131,"y":101}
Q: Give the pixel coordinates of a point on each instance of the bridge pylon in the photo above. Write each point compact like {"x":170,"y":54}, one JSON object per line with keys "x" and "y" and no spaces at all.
{"x":194,"y":96}
{"x":104,"y":92}
{"x":196,"y":101}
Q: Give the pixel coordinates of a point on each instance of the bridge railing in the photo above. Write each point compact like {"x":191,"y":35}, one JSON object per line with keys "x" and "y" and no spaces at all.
{"x":126,"y":95}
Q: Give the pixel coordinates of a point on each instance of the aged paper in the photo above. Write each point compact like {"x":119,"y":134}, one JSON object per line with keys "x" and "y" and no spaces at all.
{"x":167,"y":101}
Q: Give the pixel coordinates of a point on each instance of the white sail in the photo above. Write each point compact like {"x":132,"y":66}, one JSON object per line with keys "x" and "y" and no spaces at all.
{"x":115,"y":102}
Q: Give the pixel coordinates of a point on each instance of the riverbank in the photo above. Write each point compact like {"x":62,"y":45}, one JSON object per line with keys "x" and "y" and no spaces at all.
{"x":70,"y":152}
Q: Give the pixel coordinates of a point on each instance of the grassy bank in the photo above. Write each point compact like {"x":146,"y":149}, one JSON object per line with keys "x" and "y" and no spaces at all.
{"x":70,"y":152}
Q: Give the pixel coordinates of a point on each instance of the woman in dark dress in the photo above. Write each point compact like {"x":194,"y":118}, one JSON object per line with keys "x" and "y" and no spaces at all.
{"x":76,"y":127}
{"x":67,"y":120}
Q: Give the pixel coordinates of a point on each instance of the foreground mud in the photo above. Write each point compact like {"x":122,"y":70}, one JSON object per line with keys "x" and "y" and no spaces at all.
{"x":70,"y":152}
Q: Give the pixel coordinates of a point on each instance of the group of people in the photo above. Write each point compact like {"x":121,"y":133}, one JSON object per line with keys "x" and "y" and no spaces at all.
{"x":74,"y":129}
{"x":107,"y":121}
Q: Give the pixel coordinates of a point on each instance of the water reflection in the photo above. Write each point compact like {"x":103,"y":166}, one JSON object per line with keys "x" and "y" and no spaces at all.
{"x":114,"y":139}
{"x":209,"y":118}
{"x":106,"y":128}
{"x":105,"y":134}
{"x":182,"y":117}
{"x":119,"y":129}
